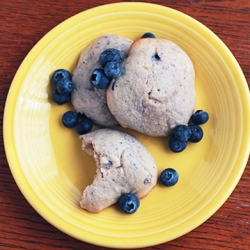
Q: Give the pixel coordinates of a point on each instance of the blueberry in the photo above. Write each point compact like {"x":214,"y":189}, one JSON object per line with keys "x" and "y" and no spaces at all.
{"x":197,"y":133}
{"x":59,"y":74}
{"x":113,"y":69}
{"x":182,"y":132}
{"x":176,"y":145}
{"x":110,"y":55}
{"x":169,"y":177}
{"x":60,"y":98}
{"x":129,"y":203}
{"x":70,"y":119}
{"x":148,"y":35}
{"x":99,"y":79}
{"x":64,"y":86}
{"x":200,"y":117}
{"x":84,"y":126}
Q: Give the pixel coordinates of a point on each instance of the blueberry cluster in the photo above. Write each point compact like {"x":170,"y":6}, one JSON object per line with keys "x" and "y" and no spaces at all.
{"x":178,"y":140}
{"x":110,"y":68}
{"x":61,"y":79}
{"x":183,"y":134}
{"x":80,"y":122}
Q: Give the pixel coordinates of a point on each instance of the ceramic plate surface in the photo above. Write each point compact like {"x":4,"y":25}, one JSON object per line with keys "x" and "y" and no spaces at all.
{"x":52,"y":171}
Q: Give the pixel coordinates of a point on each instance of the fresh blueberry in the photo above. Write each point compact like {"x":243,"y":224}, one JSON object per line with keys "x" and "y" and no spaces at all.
{"x":197,"y":133}
{"x":176,"y":145}
{"x":182,"y":132}
{"x":84,"y":126}
{"x":148,"y":35}
{"x":169,"y":177}
{"x":200,"y":117}
{"x":59,"y":74}
{"x":110,"y":55}
{"x":64,"y":86}
{"x":70,"y":119}
{"x":60,"y":98}
{"x":99,"y":79}
{"x":129,"y":203}
{"x":113,"y":69}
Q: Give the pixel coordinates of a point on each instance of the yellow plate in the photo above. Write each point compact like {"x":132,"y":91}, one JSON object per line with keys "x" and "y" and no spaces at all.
{"x":51,"y":170}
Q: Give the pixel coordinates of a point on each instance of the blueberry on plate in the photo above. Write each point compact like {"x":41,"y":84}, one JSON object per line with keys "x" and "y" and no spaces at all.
{"x":129,"y":203}
{"x":64,"y":86}
{"x":113,"y":69}
{"x":169,"y":177}
{"x":99,"y":79}
{"x":110,"y":55}
{"x":59,"y":74}
{"x":70,"y":119}
{"x":200,"y":117}
{"x":182,"y":132}
{"x":176,"y":145}
{"x":196,"y":133}
{"x":148,"y":35}
{"x":84,"y":126}
{"x":60,"y":98}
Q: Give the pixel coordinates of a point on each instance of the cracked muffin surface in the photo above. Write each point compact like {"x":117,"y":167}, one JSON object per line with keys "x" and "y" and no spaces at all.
{"x":156,"y":91}
{"x":123,"y":165}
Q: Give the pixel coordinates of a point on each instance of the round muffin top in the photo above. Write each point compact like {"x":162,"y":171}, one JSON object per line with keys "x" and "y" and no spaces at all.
{"x":156,"y":90}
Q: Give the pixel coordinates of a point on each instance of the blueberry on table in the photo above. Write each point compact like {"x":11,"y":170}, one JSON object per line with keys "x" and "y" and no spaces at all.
{"x":182,"y":132}
{"x":196,"y":133}
{"x":64,"y":86}
{"x":148,"y":35}
{"x":70,"y":119}
{"x":99,"y":79}
{"x":113,"y":69}
{"x":200,"y":117}
{"x":176,"y":145}
{"x":60,"y":98}
{"x":84,"y":126}
{"x":110,"y":55}
{"x":59,"y":74}
{"x":129,"y":203}
{"x":169,"y":177}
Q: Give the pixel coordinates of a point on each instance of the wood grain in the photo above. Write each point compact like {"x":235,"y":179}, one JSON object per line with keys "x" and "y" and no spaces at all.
{"x":22,"y":24}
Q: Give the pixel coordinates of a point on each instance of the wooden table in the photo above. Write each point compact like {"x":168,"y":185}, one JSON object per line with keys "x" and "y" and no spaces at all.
{"x":22,"y":24}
